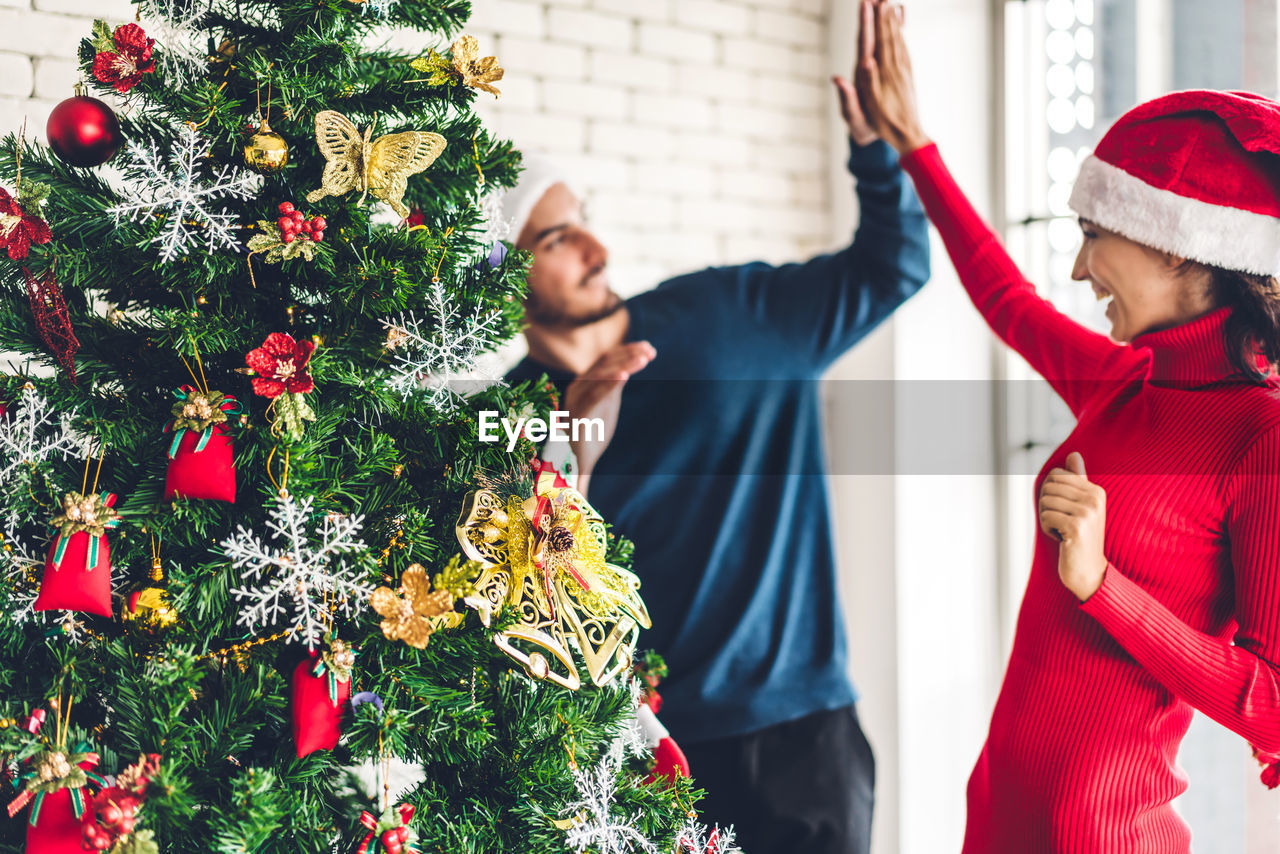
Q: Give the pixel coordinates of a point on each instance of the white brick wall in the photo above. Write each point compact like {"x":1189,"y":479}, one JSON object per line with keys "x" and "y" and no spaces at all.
{"x":699,"y":128}
{"x":38,"y":41}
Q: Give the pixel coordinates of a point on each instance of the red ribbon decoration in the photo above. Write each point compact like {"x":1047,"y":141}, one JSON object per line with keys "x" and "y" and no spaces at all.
{"x":547,"y":477}
{"x":540,"y":515}
{"x":370,"y":821}
{"x":36,"y":721}
{"x":16,"y":805}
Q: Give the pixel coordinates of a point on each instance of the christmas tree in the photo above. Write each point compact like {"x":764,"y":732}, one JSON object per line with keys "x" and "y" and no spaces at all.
{"x":254,"y":553}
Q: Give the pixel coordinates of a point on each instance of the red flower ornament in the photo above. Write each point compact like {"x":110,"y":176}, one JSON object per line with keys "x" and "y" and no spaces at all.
{"x":123,"y":67}
{"x":19,"y":230}
{"x":281,"y":366}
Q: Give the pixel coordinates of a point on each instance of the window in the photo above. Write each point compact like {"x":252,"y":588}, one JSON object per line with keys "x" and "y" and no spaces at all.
{"x":1071,"y":67}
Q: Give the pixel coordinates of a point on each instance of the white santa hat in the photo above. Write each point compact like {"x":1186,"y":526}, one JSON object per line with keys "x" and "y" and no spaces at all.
{"x":1195,"y":174}
{"x":540,"y":173}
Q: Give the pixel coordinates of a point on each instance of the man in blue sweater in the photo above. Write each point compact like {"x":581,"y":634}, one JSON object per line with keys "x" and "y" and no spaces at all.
{"x":713,"y":465}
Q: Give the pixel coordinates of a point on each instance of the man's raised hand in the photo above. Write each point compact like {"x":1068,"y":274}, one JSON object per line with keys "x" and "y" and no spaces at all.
{"x":598,"y":394}
{"x":860,"y":129}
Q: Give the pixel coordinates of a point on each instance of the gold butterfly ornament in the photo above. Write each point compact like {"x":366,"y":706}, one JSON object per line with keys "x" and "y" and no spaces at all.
{"x":379,"y":167}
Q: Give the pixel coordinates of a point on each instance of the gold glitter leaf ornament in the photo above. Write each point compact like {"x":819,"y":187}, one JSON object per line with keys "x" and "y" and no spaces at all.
{"x":380,"y":167}
{"x":544,"y":556}
{"x":467,"y":67}
{"x":414,"y":611}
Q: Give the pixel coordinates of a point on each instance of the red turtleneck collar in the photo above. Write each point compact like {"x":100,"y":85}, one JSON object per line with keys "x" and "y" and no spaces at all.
{"x":1192,"y":354}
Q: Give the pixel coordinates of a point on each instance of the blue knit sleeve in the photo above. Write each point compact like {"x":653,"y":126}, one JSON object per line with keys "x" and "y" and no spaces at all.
{"x":822,"y":307}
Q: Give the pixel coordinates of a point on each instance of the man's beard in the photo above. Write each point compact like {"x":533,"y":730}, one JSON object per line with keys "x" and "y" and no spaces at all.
{"x":542,"y":315}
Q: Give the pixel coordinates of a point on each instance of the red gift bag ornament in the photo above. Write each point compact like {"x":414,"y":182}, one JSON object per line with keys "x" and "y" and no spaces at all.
{"x":321,"y":686}
{"x":77,"y":572}
{"x":201,"y":461}
{"x":55,"y":787}
{"x":389,"y":832}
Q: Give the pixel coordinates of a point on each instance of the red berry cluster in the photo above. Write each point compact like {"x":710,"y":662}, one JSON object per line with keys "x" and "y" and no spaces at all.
{"x":393,"y":840}
{"x":292,"y":223}
{"x":114,"y":818}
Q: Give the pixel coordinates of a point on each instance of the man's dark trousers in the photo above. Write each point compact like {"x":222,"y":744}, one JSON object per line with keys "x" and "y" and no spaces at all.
{"x":802,"y":786}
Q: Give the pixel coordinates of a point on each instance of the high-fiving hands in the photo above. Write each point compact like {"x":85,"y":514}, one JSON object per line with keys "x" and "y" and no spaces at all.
{"x":885,"y":85}
{"x":1074,"y":511}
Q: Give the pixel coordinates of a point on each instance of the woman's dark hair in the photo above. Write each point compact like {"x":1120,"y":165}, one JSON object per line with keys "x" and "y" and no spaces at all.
{"x":1253,"y":327}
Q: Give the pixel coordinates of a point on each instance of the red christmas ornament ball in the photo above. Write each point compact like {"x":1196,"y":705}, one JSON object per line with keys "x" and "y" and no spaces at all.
{"x":83,"y":131}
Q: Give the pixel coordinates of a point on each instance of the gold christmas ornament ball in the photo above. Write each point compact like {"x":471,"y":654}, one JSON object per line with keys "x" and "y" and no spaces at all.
{"x":266,"y":151}
{"x":149,"y":610}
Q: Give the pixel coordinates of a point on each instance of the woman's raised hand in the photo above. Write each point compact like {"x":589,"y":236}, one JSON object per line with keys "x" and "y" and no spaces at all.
{"x":886,"y":88}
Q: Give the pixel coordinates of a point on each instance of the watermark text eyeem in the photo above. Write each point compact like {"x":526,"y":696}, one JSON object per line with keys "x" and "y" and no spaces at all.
{"x":560,"y":428}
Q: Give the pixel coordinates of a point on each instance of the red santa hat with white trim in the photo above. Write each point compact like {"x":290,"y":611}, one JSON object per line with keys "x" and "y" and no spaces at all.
{"x":1194,"y":173}
{"x":540,"y":172}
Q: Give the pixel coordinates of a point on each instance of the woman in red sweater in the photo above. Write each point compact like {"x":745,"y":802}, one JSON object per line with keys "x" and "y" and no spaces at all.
{"x":1155,"y":585}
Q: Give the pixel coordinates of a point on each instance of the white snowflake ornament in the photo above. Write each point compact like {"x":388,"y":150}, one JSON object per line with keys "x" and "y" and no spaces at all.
{"x":632,"y":740}
{"x":496,"y":226}
{"x":439,"y":359}
{"x":18,"y":565}
{"x":34,"y":433}
{"x":173,"y":188}
{"x":377,"y":8}
{"x":595,"y":827}
{"x":301,"y":577}
{"x":73,"y":628}
{"x":696,"y":838}
{"x":183,"y":58}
